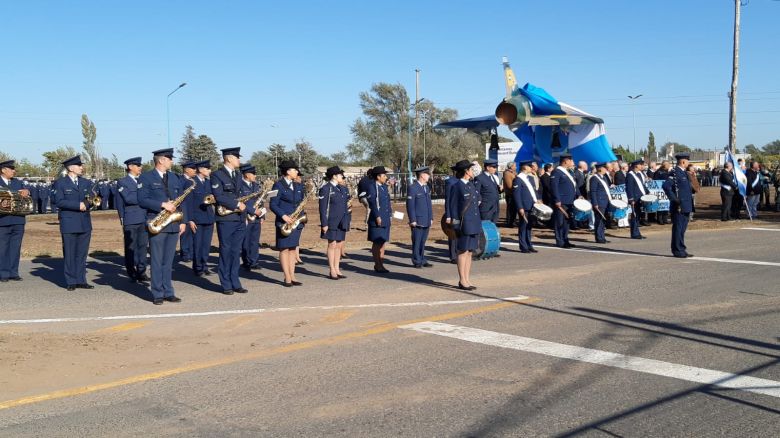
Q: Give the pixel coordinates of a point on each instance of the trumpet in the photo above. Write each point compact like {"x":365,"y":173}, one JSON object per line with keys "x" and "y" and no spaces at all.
{"x":209,"y":200}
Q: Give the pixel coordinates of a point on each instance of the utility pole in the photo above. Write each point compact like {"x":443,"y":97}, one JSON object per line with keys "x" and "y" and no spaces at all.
{"x":633,"y":115}
{"x":416,"y":99}
{"x":734,"y":81}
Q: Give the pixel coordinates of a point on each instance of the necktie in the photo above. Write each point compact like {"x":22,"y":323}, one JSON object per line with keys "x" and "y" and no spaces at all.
{"x":165,"y":183}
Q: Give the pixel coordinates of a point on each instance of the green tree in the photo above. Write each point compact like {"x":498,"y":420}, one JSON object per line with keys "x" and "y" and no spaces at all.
{"x":52,"y":163}
{"x":651,"y":146}
{"x":5,"y":157}
{"x":24,"y":169}
{"x":267,"y":161}
{"x":772,"y":148}
{"x":309,"y":158}
{"x":92,"y":156}
{"x":678,"y":147}
{"x":197,"y":148}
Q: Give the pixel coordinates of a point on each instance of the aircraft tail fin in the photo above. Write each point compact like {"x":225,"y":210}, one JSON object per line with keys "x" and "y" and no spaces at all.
{"x":509,"y":78}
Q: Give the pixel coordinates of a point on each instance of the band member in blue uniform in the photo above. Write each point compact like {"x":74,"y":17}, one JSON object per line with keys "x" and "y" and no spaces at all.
{"x":32,"y":188}
{"x":250,"y":247}
{"x":11,"y":225}
{"x":185,"y":240}
{"x":452,"y":244}
{"x":333,"y":200}
{"x":70,"y":194}
{"x":489,"y":187}
{"x":464,"y":211}
{"x":563,"y":191}
{"x":347,"y":217}
{"x":419,"y":208}
{"x":678,"y":189}
{"x":524,"y":193}
{"x":43,"y":195}
{"x":132,"y":217}
{"x":225,"y":183}
{"x":599,"y":199}
{"x":289,"y":195}
{"x":379,"y":217}
{"x":201,"y":215}
{"x":156,"y":189}
{"x":635,"y":189}
{"x":105,"y":192}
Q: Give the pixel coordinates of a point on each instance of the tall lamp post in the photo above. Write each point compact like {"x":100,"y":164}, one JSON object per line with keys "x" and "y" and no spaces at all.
{"x":633,"y":115}
{"x":168,"y":110}
{"x":409,"y":162}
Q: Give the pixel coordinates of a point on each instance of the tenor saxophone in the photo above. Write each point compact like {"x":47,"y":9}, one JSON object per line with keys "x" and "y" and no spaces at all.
{"x":165,"y":217}
{"x":299,"y":216}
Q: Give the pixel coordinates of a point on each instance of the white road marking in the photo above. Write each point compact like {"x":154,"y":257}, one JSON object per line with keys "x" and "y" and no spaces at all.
{"x":629,"y":254}
{"x":268,"y":310}
{"x":761,"y":229}
{"x":650,"y":366}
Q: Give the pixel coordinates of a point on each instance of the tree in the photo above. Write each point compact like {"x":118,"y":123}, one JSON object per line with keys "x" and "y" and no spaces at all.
{"x":309,"y":158}
{"x":772,"y":148}
{"x":5,"y":157}
{"x":52,"y":163}
{"x":89,"y":133}
{"x":198,"y":148}
{"x":338,"y":159}
{"x":267,"y":161}
{"x":651,"y":146}
{"x":678,"y":147}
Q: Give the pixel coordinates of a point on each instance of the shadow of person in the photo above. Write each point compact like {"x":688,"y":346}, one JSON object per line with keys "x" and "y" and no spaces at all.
{"x":110,"y":271}
{"x":50,"y":269}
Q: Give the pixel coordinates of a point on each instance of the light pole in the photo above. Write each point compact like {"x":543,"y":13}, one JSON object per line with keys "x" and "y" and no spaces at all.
{"x":168,"y":110}
{"x":409,"y":162}
{"x":633,"y":115}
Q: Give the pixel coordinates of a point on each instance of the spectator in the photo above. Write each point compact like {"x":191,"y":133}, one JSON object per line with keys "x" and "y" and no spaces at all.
{"x":651,"y":169}
{"x":754,"y":188}
{"x":662,"y":174}
{"x":695,"y":186}
{"x":728,"y":186}
{"x":620,"y":175}
{"x":546,"y":190}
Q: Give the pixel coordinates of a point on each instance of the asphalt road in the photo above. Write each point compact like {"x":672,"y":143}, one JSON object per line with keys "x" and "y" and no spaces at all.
{"x":354,"y":357}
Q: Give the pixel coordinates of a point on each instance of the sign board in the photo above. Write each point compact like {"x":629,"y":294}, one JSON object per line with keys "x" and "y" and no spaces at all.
{"x":507,"y":151}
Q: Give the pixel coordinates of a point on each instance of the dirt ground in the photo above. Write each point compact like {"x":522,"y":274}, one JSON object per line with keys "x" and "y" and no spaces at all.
{"x":42,"y":236}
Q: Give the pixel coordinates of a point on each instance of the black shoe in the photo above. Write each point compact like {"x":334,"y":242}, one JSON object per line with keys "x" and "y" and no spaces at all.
{"x":644,"y":224}
{"x":427,"y":265}
{"x":602,"y":241}
{"x":246,"y":267}
{"x":639,"y":237}
{"x":286,"y":284}
{"x":418,"y":266}
{"x":342,"y":276}
{"x":143,"y":277}
{"x":158,"y":301}
{"x":569,"y":245}
{"x":85,"y":286}
{"x":240,"y":290}
{"x":525,"y":251}
{"x":688,"y":255}
{"x":227,"y":292}
{"x":173,"y":299}
{"x":345,"y":256}
{"x":301,"y":263}
{"x":207,"y":272}
{"x":533,"y":250}
{"x":680,"y":256}
{"x":330,"y":277}
{"x":462,"y":287}
{"x":381,"y":270}
{"x":186,"y":260}
{"x":297,"y":283}
{"x":15,"y":278}
{"x":453,"y":262}
{"x":200,"y":274}
{"x":3,"y":280}
{"x":497,"y":255}
{"x":71,"y":287}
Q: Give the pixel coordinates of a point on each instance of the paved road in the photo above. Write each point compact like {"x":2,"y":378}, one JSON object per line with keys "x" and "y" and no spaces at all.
{"x":601,"y":341}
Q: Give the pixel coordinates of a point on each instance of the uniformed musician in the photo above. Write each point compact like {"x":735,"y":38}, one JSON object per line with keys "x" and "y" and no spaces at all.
{"x":185,"y":240}
{"x":289,"y":195}
{"x":525,"y":197}
{"x":419,"y":208}
{"x":563,"y":190}
{"x":70,"y":194}
{"x":250,"y":247}
{"x":464,"y":211}
{"x":132,"y":217}
{"x":156,"y":189}
{"x":489,"y":187}
{"x":678,"y":189}
{"x":380,"y":213}
{"x":599,"y":199}
{"x":11,"y":226}
{"x":452,"y":243}
{"x":201,"y":219}
{"x":225,"y":183}
{"x":333,"y":201}
{"x":635,"y":189}
{"x":348,"y":217}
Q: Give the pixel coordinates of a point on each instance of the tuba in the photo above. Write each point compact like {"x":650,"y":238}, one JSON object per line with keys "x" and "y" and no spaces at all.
{"x":14,"y":204}
{"x":299,"y":216}
{"x":165,"y":217}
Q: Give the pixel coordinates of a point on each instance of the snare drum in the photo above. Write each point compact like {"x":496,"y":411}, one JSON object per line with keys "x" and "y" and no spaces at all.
{"x":650,"y":203}
{"x":542,"y":212}
{"x":489,"y":241}
{"x":582,"y":210}
{"x":619,"y":209}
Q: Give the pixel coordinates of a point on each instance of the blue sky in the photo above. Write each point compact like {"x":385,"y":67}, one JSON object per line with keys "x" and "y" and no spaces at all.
{"x":264,"y":72}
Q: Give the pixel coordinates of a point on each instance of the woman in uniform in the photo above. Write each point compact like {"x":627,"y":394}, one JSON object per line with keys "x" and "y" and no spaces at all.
{"x":464,"y":211}
{"x":333,"y":216}
{"x":289,"y":195}
{"x":379,"y":217}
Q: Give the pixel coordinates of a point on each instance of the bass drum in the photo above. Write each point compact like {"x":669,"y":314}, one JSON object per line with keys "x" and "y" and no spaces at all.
{"x":489,"y":241}
{"x":447,"y":228}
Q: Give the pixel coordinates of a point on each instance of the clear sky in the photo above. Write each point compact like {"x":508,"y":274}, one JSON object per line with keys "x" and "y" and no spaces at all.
{"x":260,"y":72}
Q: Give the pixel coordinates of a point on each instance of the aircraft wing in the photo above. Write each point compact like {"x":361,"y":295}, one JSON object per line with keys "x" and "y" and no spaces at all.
{"x":475,"y":124}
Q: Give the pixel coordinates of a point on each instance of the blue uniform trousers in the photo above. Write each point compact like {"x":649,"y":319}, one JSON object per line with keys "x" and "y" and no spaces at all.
{"x":163,"y":248}
{"x":136,"y":244}
{"x":636,"y":214}
{"x":10,"y":248}
{"x":185,"y":245}
{"x":524,"y":235}
{"x":250,"y":247}
{"x":599,"y":228}
{"x":419,"y":236}
{"x":561,"y":225}
{"x":201,"y":245}
{"x":75,"y":247}
{"x":679,"y":225}
{"x":231,"y":236}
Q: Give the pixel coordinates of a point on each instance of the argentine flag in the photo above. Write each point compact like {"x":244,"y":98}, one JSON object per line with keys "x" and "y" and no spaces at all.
{"x":739,"y":175}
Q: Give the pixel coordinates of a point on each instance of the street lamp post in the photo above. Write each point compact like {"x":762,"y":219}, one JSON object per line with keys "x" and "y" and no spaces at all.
{"x":409,"y":161}
{"x":633,"y":115}
{"x":168,"y":110}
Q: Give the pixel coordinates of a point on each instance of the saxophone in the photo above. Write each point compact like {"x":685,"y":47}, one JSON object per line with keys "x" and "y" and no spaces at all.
{"x":14,"y":204}
{"x":165,"y":217}
{"x":268,"y":185}
{"x":224,"y":211}
{"x":352,"y":193}
{"x":299,"y":216}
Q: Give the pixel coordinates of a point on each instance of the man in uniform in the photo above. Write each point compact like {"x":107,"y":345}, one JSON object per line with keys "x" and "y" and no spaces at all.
{"x":363,"y":186}
{"x":201,"y":219}
{"x":32,"y":187}
{"x":678,"y":189}
{"x":563,"y":190}
{"x":250,"y":247}
{"x":132,"y":217}
{"x":489,"y":188}
{"x":420,"y":210}
{"x":11,"y":226}
{"x":599,"y":199}
{"x":70,"y":195}
{"x":105,"y":193}
{"x":185,"y":241}
{"x":635,"y":189}
{"x":525,"y":196}
{"x":225,"y":183}
{"x":43,"y":195}
{"x":157,"y":189}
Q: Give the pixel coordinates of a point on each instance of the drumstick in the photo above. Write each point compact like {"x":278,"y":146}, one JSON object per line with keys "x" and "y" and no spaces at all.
{"x":596,"y":207}
{"x":563,"y":211}
{"x":524,"y":218}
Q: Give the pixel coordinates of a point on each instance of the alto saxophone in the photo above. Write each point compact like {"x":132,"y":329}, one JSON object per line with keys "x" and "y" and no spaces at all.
{"x":224,"y":211}
{"x":165,"y":217}
{"x":299,"y":216}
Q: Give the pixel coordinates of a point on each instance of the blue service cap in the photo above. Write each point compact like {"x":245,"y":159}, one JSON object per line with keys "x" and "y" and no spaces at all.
{"x":564,"y":157}
{"x":190,"y":165}
{"x":10,"y":164}
{"x":247,"y":168}
{"x":604,"y":164}
{"x":72,"y":161}
{"x":493,"y":163}
{"x":167,"y":152}
{"x":422,"y":169}
{"x":232,"y":151}
{"x":135,"y":160}
{"x":636,"y":162}
{"x":682,"y":156}
{"x":204,"y":163}
{"x":526,"y":163}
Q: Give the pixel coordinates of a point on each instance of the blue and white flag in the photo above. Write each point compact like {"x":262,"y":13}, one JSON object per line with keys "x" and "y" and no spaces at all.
{"x":739,"y":175}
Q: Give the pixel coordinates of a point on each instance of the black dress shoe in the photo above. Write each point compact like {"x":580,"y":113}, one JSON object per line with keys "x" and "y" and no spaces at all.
{"x":342,"y":276}
{"x":3,"y":280}
{"x":525,"y":251}
{"x":200,"y":274}
{"x":207,"y":272}
{"x":300,"y":263}
{"x":418,"y":266}
{"x":381,"y":270}
{"x":286,"y":284}
{"x":345,"y":256}
{"x":143,"y":277}
{"x":227,"y":292}
{"x":246,"y":267}
{"x":71,"y":287}
{"x":15,"y":278}
{"x":568,"y":245}
{"x":680,"y":256}
{"x":85,"y":286}
{"x":688,"y":255}
{"x":462,"y":287}
{"x":427,"y":265}
{"x":453,"y":262}
{"x":533,"y":250}
{"x":639,"y":237}
{"x":240,"y":290}
{"x":173,"y":299}
{"x":297,"y":283}
{"x":158,"y":301}
{"x":330,"y":277}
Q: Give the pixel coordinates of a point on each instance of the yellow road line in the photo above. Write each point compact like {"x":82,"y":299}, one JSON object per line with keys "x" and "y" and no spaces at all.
{"x":124,"y":327}
{"x":338,"y":317}
{"x":384,"y":328}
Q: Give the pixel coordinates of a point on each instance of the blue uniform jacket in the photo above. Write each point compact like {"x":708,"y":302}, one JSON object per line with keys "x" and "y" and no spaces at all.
{"x":7,"y":219}
{"x":464,"y":208}
{"x":378,"y":204}
{"x":197,"y":211}
{"x":599,"y":196}
{"x":151,"y":195}
{"x":286,"y":200}
{"x":130,"y":212}
{"x":243,"y":190}
{"x":448,"y":184}
{"x":522,"y":196}
{"x":67,"y":198}
{"x":418,"y":205}
{"x":633,"y":191}
{"x":562,"y":188}
{"x":333,"y":206}
{"x":488,"y":190}
{"x":225,"y":190}
{"x":678,"y":189}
